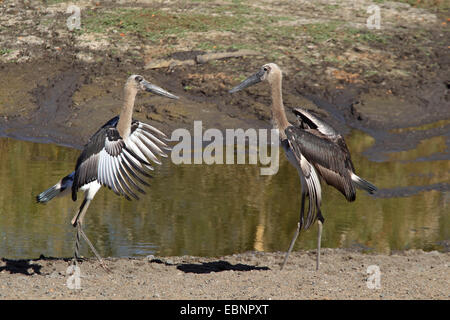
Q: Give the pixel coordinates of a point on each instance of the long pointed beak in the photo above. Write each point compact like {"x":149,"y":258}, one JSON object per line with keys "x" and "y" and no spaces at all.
{"x":157,"y":90}
{"x":248,"y":82}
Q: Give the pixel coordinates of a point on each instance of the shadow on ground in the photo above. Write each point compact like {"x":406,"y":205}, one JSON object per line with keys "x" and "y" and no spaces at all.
{"x":217,"y":266}
{"x":23,"y":266}
{"x":208,"y":267}
{"x":26,"y":267}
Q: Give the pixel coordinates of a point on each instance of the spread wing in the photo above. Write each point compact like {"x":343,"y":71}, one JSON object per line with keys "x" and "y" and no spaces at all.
{"x":121,"y":165}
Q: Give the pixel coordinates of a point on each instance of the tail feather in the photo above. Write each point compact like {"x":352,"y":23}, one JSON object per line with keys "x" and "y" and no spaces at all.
{"x":48,"y":194}
{"x":60,"y":189}
{"x":363,"y":184}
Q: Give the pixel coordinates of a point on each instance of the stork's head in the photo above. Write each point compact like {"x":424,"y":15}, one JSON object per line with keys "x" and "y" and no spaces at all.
{"x":138,"y":82}
{"x":268,"y":72}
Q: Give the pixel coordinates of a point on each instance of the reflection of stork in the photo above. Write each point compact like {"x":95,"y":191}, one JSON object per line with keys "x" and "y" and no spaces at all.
{"x":315,"y":149}
{"x":117,"y":156}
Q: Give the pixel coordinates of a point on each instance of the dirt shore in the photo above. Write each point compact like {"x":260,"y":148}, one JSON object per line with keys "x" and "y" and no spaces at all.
{"x":253,"y":275}
{"x":60,"y":86}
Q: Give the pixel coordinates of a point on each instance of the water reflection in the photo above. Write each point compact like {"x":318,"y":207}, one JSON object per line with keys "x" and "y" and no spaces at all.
{"x":212,"y":210}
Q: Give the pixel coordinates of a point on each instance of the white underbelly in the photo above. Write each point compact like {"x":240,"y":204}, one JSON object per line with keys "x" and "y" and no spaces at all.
{"x":91,"y":189}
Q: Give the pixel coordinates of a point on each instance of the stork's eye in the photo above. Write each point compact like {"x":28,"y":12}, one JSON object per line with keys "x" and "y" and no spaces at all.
{"x":139,"y":78}
{"x":265,"y":68}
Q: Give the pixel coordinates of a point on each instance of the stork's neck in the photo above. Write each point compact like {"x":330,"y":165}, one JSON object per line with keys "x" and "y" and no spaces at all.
{"x":126,"y":114}
{"x":278,"y":112}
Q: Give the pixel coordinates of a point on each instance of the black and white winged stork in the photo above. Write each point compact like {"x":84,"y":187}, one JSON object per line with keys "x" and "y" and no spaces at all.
{"x":117,"y":156}
{"x":317,"y":151}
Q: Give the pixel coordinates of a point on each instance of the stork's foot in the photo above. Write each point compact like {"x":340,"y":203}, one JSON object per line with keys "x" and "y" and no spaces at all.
{"x":75,"y":261}
{"x":99,"y":258}
{"x":80,"y":233}
{"x":103,"y":265}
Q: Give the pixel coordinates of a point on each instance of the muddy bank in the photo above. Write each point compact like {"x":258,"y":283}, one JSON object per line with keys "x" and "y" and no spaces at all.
{"x":65,"y":102}
{"x":60,"y":86}
{"x":343,"y":275}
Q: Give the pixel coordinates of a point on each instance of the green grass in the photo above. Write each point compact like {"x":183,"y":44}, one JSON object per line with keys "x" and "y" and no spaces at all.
{"x":213,"y":46}
{"x":50,"y":2}
{"x":369,"y":73}
{"x":236,"y":8}
{"x":310,"y":60}
{"x":320,"y":32}
{"x":332,"y":59}
{"x":331,"y":7}
{"x":353,"y":35}
{"x":5,"y":51}
{"x":438,"y":5}
{"x":265,"y":31}
{"x":368,"y":36}
{"x":154,"y":24}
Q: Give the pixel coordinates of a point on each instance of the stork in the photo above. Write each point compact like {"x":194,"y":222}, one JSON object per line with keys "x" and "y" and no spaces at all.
{"x":117,"y":156}
{"x":315,"y":149}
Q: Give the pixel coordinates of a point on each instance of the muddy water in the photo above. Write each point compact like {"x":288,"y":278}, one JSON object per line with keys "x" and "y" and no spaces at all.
{"x":212,"y":210}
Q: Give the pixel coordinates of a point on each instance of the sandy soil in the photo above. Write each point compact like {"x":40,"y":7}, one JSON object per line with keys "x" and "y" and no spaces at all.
{"x":253,"y":275}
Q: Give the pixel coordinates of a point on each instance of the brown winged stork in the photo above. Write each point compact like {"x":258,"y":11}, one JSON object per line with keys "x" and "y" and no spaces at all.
{"x":313,"y":147}
{"x":117,"y":156}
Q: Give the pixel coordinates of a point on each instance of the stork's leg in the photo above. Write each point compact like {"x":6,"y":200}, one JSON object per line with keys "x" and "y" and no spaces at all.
{"x":297,"y":231}
{"x":319,"y":240}
{"x":77,"y":222}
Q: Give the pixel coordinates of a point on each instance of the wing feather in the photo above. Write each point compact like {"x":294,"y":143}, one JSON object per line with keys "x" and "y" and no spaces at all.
{"x":144,"y":150}
{"x":314,"y":191}
{"x":143,"y":136}
{"x":331,"y":160}
{"x":117,"y":164}
{"x":129,"y":166}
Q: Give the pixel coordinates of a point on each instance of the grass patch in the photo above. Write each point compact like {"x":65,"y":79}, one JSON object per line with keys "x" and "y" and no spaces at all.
{"x":210,"y":46}
{"x":5,"y":51}
{"x":155,"y":25}
{"x":353,"y":35}
{"x":331,"y":7}
{"x":333,"y":60}
{"x":320,"y":32}
{"x":236,"y":8}
{"x":437,"y":5}
{"x":50,"y":2}
{"x":373,"y":37}
{"x":370,"y":73}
